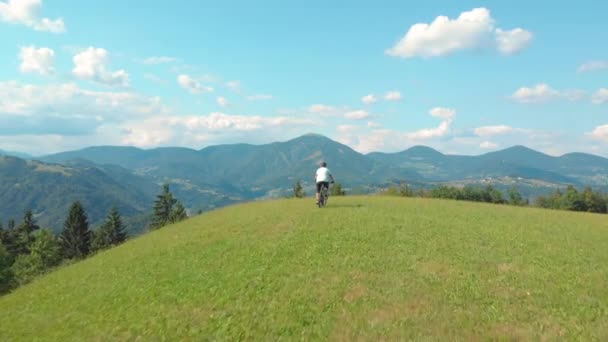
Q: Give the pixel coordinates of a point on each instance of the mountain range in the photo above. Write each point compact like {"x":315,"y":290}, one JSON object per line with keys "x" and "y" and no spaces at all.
{"x":214,"y":176}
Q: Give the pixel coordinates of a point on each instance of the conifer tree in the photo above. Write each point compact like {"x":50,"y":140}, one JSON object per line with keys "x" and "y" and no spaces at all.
{"x":298,"y":190}
{"x":25,"y":232}
{"x":164,"y":207}
{"x":178,"y":213}
{"x":76,"y":236}
{"x":111,"y":233}
{"x":6,"y":273}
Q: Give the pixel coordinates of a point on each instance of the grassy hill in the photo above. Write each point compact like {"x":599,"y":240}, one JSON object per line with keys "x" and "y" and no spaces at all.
{"x":363,"y":268}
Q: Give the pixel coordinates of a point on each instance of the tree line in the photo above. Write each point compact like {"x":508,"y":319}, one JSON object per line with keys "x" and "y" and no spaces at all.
{"x":572,"y":199}
{"x":334,"y":190}
{"x":27,"y":250}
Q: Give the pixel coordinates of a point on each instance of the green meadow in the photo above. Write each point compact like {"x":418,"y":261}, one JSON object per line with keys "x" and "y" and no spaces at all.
{"x":363,"y":268}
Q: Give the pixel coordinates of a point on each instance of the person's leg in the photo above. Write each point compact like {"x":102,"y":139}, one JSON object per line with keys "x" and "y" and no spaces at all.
{"x":318,"y":191}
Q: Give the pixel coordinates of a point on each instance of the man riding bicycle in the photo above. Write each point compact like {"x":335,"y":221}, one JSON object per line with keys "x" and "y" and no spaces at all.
{"x":323,"y":177}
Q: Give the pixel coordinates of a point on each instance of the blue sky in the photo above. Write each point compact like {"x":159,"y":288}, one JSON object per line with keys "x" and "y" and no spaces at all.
{"x":464,"y":77}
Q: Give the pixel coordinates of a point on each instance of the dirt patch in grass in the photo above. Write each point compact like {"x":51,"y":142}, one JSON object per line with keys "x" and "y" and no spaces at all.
{"x":411,"y":308}
{"x":506,"y":267}
{"x":436,"y":268}
{"x":547,"y":331}
{"x":354,"y":293}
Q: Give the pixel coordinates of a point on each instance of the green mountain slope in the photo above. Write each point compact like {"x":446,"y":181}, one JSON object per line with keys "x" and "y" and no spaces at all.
{"x":372,"y":268}
{"x":247,"y":169}
{"x":49,"y":189}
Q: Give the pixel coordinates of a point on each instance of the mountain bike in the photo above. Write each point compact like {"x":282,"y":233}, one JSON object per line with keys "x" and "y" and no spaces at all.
{"x":323,"y":196}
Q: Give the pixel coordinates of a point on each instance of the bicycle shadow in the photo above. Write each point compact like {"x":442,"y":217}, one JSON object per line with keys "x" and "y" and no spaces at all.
{"x":329,"y":206}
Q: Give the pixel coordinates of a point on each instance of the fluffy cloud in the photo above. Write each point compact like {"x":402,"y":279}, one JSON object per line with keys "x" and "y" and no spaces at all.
{"x":600,"y":133}
{"x":544,"y":93}
{"x":259,"y":97}
{"x":45,"y":119}
{"x":393,"y":96}
{"x":489,"y":131}
{"x":67,"y":109}
{"x":510,"y":42}
{"x":593,"y":66}
{"x":39,"y":61}
{"x":212,"y":128}
{"x":26,"y":12}
{"x":92,"y":64}
{"x":159,"y":60}
{"x":488,"y":145}
{"x":600,"y":96}
{"x":365,"y":141}
{"x":369,"y":99}
{"x":321,"y":109}
{"x":471,"y":30}
{"x":539,"y":93}
{"x":356,"y":115}
{"x":192,"y":85}
{"x":443,"y":113}
{"x":222,"y":101}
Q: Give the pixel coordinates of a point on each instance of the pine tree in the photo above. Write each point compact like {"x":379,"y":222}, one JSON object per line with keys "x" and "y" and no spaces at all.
{"x":6,"y":273}
{"x":25,"y":232}
{"x":111,"y":233}
{"x":515,"y":197}
{"x":298,"y":190}
{"x":76,"y":236}
{"x":46,"y":248}
{"x":163,"y":208}
{"x":178,"y":213}
{"x":10,"y":239}
{"x":336,"y":190}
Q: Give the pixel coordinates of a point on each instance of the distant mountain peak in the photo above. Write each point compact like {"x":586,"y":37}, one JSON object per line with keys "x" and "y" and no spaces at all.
{"x":423,"y":149}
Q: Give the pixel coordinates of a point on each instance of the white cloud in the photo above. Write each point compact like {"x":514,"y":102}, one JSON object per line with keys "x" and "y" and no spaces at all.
{"x":539,"y":93}
{"x":600,"y":133}
{"x":222,"y":101}
{"x":234,"y":86}
{"x":514,"y":41}
{"x":67,"y":109}
{"x":369,"y":99}
{"x":471,"y":30}
{"x":372,"y":124}
{"x":25,"y":12}
{"x":50,"y":118}
{"x":544,"y":93}
{"x":593,"y":66}
{"x":488,"y":145}
{"x":428,"y":133}
{"x":369,"y":138}
{"x":393,"y":96}
{"x":443,"y":113}
{"x":92,"y":64}
{"x":259,"y":97}
{"x":356,"y":115}
{"x":40,"y":61}
{"x":192,"y":85}
{"x":489,"y":131}
{"x":159,"y":60}
{"x":601,"y":96}
{"x":321,"y":109}
{"x":213,"y":128}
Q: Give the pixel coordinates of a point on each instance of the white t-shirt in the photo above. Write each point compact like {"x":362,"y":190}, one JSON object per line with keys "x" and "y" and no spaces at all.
{"x":323,"y":175}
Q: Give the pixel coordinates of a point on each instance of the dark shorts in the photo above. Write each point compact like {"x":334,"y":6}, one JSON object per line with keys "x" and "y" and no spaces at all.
{"x":320,"y":184}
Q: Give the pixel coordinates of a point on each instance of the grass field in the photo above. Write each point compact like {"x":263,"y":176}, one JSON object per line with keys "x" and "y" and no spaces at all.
{"x":363,"y":268}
